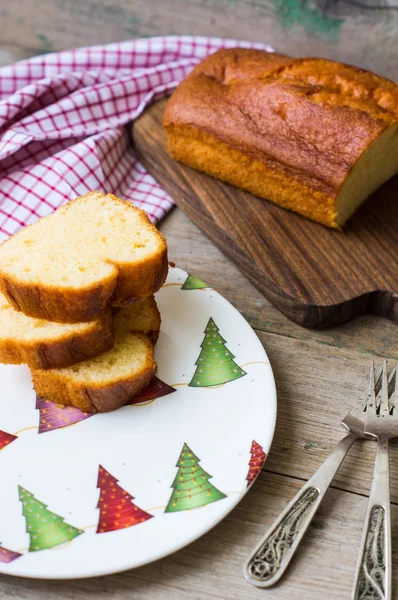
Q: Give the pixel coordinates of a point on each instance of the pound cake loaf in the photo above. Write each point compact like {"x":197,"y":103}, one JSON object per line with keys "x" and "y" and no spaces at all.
{"x":312,"y":135}
{"x":94,"y":251}
{"x":109,"y":381}
{"x":46,"y":344}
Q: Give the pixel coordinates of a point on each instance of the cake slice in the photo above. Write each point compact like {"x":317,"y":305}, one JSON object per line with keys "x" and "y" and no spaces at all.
{"x":108,"y":381}
{"x":104,"y":383}
{"x":46,"y":344}
{"x":312,"y":135}
{"x":95,"y":250}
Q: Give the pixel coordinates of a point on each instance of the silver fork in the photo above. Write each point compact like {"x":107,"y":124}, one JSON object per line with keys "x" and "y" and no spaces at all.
{"x":269,"y":560}
{"x":373,"y":572}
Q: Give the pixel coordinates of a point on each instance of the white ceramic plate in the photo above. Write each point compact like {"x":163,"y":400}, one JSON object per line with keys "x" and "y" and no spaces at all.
{"x":212,"y":414}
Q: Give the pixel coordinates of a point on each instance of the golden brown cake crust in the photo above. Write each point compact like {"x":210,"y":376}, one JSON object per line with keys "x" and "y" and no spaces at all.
{"x":243,"y":111}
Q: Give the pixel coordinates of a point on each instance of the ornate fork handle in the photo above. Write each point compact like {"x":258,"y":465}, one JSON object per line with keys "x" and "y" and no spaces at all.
{"x":373,"y":573}
{"x":270,"y":558}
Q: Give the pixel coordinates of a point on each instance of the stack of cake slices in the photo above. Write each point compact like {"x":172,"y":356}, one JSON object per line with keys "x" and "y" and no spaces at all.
{"x":77,"y":304}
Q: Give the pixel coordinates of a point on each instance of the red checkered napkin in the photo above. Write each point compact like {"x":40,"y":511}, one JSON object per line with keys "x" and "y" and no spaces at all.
{"x":62,"y":117}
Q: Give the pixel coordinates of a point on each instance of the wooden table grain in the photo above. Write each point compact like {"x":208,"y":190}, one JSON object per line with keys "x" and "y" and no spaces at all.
{"x":318,"y":373}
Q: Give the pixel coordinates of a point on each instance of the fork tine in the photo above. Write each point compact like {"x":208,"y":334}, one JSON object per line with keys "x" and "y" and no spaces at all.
{"x":384,"y":408}
{"x":378,"y":379}
{"x":391,"y":380}
{"x":394,"y":395}
{"x":371,"y":399}
{"x":391,"y":388}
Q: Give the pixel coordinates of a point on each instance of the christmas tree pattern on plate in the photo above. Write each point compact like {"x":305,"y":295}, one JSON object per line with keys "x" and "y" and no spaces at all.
{"x":117,"y":510}
{"x":6,"y":439}
{"x":155,"y":389}
{"x":257,"y":458}
{"x":191,"y":486}
{"x":193,"y":283}
{"x":54,"y":416}
{"x":7,"y":556}
{"x":45,"y":528}
{"x":215,"y":364}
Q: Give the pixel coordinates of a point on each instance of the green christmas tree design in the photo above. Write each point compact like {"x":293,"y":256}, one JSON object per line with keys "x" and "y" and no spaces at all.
{"x":193,"y":283}
{"x":191,"y":486}
{"x":215,"y":364}
{"x":45,"y":528}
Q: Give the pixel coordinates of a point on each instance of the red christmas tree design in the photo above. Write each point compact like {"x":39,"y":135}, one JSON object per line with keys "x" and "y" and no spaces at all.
{"x":117,"y":510}
{"x":257,"y":459}
{"x":55,"y":416}
{"x":6,"y":439}
{"x":7,"y":556}
{"x":155,"y":389}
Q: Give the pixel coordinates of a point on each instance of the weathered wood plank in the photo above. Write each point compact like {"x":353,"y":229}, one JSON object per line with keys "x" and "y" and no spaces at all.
{"x":338,"y":30}
{"x":212,"y":566}
{"x":10,"y":53}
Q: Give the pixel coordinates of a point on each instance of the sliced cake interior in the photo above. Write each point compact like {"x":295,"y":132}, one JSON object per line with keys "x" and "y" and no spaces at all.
{"x":376,"y":166}
{"x":142,"y":316}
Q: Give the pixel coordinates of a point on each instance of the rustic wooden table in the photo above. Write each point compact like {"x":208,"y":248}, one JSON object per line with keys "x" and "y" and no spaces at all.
{"x":318,"y":373}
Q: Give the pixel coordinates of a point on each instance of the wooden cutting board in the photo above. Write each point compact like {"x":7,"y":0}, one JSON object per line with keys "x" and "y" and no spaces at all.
{"x":316,"y":276}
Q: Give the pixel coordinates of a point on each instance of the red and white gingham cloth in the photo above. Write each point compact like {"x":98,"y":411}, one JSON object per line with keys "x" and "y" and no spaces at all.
{"x":62,"y":117}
